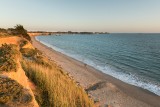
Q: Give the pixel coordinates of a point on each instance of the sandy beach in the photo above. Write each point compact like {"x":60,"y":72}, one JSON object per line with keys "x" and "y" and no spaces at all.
{"x":103,"y":88}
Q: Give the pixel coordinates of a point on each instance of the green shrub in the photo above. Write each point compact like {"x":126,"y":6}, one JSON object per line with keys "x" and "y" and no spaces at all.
{"x":8,"y":57}
{"x":19,"y":29}
{"x":36,"y":56}
{"x":11,"y":91}
{"x":42,"y":61}
{"x":23,"y":43}
{"x":27,"y":52}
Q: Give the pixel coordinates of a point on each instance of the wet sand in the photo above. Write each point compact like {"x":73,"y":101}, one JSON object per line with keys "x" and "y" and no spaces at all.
{"x":104,"y":89}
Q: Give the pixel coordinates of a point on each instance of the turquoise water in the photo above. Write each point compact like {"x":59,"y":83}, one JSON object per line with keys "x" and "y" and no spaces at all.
{"x":132,"y":58}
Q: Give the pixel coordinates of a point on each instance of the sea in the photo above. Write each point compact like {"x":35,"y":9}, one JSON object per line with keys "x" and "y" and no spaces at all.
{"x":131,"y":58}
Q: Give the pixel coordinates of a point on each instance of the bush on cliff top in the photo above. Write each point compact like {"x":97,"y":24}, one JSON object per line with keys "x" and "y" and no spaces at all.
{"x":19,"y":30}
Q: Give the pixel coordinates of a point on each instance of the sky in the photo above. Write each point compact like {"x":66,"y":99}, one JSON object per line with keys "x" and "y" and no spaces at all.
{"x":115,"y":16}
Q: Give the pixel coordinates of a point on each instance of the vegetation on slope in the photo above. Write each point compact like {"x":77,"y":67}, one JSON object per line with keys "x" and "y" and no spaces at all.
{"x":30,"y":53}
{"x":8,"y":54}
{"x":36,"y":56}
{"x":12,"y":92}
{"x":57,"y":89}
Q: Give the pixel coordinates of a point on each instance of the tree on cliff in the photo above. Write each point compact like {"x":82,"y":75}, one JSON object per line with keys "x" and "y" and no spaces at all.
{"x":22,"y":32}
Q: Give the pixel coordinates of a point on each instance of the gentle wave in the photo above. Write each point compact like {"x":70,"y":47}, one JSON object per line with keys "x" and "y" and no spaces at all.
{"x":127,"y":78}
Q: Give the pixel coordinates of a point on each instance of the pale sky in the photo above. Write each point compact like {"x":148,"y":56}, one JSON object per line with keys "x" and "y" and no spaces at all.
{"x":82,"y":15}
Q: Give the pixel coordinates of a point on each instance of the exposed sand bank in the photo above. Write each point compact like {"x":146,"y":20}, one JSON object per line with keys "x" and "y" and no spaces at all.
{"x":101,"y":87}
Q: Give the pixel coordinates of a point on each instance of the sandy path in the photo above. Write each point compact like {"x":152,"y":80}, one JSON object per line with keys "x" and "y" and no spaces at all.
{"x":101,"y":87}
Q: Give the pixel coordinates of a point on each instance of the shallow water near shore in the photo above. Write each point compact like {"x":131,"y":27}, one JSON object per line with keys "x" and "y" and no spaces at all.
{"x":132,"y":58}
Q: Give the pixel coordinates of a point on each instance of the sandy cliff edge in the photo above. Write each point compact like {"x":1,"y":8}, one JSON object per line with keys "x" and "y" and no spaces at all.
{"x":19,"y":76}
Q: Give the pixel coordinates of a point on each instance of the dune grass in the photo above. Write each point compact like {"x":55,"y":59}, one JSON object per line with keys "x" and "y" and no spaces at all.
{"x":57,"y":88}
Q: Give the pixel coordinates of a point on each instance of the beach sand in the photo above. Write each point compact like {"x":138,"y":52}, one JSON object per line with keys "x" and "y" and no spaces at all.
{"x":104,"y":89}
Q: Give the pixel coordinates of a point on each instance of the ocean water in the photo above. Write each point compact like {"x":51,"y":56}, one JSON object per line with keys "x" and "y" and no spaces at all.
{"x":132,"y":58}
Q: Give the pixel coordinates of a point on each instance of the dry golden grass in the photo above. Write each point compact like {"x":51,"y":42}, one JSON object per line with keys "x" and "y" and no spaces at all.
{"x":57,"y":88}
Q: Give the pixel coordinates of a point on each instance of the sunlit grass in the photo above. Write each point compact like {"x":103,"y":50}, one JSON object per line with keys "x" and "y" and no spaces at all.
{"x":57,"y":88}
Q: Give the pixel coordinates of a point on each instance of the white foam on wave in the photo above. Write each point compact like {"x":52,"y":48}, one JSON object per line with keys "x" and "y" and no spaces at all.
{"x":131,"y":79}
{"x":127,"y":78}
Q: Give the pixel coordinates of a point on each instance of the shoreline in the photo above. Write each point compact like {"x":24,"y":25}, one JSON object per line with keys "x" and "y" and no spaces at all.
{"x":101,"y":87}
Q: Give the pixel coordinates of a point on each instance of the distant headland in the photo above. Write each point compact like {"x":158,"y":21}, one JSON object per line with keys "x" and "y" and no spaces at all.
{"x":35,"y":33}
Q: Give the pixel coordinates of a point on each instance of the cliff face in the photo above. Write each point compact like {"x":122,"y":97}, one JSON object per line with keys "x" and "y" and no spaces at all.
{"x":20,"y":77}
{"x":54,"y":87}
{"x":10,"y":80}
